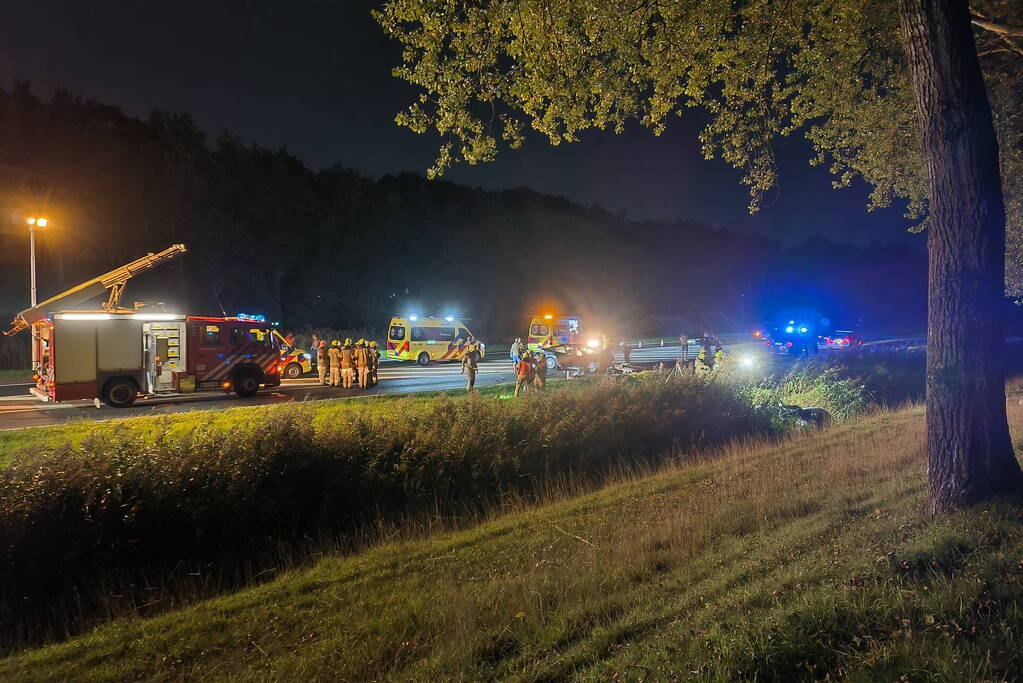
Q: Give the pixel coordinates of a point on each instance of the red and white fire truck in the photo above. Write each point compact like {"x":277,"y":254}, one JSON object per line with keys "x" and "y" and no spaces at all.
{"x":115,"y":354}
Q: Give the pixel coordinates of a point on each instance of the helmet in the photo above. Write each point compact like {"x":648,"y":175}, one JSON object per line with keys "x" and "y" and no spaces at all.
{"x":373,"y":343}
{"x":361,"y":342}
{"x":321,"y":343}
{"x":335,"y":343}
{"x":348,"y":341}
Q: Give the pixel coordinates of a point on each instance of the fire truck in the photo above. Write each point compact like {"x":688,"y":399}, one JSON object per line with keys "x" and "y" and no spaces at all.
{"x":113,"y":354}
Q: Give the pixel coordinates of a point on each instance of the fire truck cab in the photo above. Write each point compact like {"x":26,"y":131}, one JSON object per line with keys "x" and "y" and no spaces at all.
{"x":118,"y":356}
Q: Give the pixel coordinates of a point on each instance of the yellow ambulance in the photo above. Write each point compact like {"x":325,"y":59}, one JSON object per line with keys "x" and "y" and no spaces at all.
{"x":424,"y":339}
{"x":562,"y":342}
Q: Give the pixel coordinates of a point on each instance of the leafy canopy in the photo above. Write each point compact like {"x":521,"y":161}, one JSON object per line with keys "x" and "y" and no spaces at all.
{"x":831,"y":69}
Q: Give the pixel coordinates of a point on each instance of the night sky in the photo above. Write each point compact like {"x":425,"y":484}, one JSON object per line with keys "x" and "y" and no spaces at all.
{"x":314,"y":76}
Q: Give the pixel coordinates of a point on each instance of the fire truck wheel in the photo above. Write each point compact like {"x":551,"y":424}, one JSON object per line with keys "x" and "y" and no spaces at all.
{"x":246,"y":383}
{"x":424,"y":359}
{"x":292,"y":371}
{"x":120,"y":392}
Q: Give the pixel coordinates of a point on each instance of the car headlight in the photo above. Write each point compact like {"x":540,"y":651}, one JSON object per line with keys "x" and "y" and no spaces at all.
{"x":593,"y":343}
{"x":747,"y":361}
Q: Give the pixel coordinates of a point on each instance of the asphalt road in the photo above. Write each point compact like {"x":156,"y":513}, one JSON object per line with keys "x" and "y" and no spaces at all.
{"x":19,"y":409}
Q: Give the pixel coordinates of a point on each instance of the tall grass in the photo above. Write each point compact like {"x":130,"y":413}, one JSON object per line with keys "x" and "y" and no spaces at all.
{"x":128,"y":515}
{"x":120,"y":505}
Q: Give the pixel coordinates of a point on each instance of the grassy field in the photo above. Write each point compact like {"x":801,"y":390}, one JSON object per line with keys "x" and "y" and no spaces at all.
{"x":15,"y":374}
{"x":809,"y":558}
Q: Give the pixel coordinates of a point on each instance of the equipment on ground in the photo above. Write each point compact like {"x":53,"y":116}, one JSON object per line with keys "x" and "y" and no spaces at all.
{"x":425,"y":339}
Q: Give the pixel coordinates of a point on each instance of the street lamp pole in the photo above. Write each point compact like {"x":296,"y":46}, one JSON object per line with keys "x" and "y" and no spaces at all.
{"x":32,"y":224}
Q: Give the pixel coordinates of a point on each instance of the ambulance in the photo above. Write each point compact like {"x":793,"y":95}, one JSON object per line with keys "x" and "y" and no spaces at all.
{"x":428,"y":339}
{"x":118,"y":356}
{"x":563,"y":343}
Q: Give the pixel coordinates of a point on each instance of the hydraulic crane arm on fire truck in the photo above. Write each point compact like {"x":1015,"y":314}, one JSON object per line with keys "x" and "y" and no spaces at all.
{"x":113,"y":281}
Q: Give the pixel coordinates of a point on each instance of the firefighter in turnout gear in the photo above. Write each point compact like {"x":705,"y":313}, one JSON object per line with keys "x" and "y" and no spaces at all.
{"x":540,"y":380}
{"x":362,"y":362}
{"x":702,"y":366}
{"x":374,"y":362}
{"x":470,"y":363}
{"x":322,"y":361}
{"x":334,"y":361}
{"x":347,"y":364}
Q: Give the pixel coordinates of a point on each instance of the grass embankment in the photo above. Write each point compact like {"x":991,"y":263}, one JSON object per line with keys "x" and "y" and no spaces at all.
{"x":10,"y":375}
{"x":89,"y":528}
{"x":176,"y":424}
{"x":805,"y":559}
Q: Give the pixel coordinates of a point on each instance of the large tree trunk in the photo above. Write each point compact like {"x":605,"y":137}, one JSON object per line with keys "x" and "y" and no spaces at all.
{"x":969,"y":454}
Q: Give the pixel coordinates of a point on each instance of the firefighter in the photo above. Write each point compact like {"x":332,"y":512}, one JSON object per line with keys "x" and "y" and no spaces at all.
{"x":334,"y":360}
{"x":719,"y":358}
{"x":522,"y":370}
{"x":374,"y":362}
{"x":626,"y":348}
{"x":347,"y":364}
{"x":362,"y":362}
{"x":701,"y":365}
{"x":322,"y":361}
{"x":470,"y":363}
{"x":540,"y":379}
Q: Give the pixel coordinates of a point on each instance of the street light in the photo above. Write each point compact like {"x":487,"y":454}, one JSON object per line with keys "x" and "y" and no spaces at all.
{"x":33,"y":223}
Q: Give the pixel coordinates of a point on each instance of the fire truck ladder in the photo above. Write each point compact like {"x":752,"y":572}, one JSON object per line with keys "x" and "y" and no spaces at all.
{"x":114,"y":281}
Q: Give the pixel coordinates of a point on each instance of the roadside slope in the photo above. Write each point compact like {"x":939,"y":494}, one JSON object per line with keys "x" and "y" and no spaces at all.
{"x":799,"y":559}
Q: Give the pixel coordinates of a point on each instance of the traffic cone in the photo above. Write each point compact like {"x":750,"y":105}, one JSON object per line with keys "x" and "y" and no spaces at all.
{"x":662,"y":342}
{"x":640,"y":343}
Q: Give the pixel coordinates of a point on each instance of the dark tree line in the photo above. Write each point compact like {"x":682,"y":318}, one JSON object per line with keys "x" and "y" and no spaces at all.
{"x":337,"y":248}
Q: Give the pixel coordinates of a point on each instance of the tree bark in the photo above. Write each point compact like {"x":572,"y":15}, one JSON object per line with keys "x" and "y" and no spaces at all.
{"x":969,"y":453}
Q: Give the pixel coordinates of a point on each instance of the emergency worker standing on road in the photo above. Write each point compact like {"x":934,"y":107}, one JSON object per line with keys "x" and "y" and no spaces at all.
{"x":374,"y":362}
{"x":470,"y":363}
{"x":719,"y":358}
{"x":362,"y":362}
{"x":347,"y":364}
{"x":522,"y":370}
{"x":334,"y":360}
{"x":626,"y":349}
{"x":322,"y":361}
